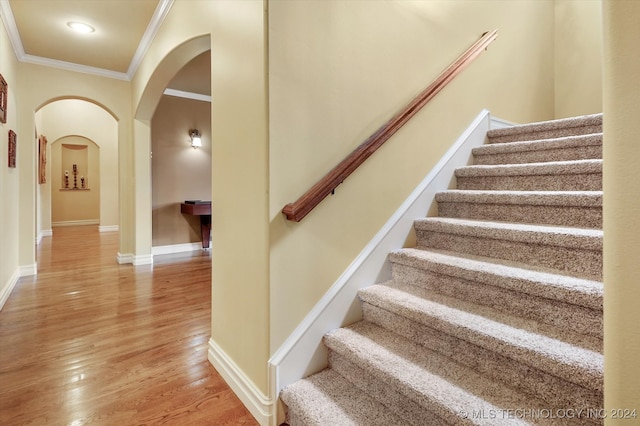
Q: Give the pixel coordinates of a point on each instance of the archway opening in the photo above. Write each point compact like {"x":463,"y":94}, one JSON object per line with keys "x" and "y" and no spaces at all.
{"x":90,"y":133}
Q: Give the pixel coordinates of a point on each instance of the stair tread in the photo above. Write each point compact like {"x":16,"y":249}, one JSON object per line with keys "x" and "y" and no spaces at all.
{"x":562,"y":123}
{"x":539,"y":144}
{"x":508,"y":335}
{"x":427,"y":377}
{"x":585,"y":238}
{"x":526,"y":169}
{"x":326,"y":398}
{"x":567,"y":289}
{"x":543,"y":198}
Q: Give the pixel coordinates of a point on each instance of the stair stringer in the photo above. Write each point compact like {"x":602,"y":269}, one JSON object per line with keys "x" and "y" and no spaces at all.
{"x":303,"y":353}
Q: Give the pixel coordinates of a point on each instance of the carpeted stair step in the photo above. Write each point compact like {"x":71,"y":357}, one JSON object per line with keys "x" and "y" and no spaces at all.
{"x":568,"y":148}
{"x":565,"y":208}
{"x":581,"y":125}
{"x":505,"y":348}
{"x":422,"y":386}
{"x":327,"y":398}
{"x":568,"y":303}
{"x":575,"y":251}
{"x":578,"y":175}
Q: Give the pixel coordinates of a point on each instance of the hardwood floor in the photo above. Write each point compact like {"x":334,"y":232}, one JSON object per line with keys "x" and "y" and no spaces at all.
{"x":88,"y":341}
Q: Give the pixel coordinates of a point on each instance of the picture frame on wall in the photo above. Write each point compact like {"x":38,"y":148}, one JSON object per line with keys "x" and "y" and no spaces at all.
{"x":13,"y":144}
{"x":4,"y":94}
{"x":42,"y":159}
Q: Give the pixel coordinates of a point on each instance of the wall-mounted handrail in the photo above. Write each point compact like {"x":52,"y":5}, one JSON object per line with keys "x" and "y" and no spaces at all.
{"x":297,"y":210}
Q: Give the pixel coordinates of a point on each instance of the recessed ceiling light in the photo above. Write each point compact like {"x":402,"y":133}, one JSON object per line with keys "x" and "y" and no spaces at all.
{"x":81,"y":27}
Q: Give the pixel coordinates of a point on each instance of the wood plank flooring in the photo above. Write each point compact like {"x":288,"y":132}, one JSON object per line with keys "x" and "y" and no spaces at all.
{"x":88,"y":341}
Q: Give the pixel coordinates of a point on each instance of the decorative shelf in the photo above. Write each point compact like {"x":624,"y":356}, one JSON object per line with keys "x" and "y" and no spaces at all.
{"x":75,"y":189}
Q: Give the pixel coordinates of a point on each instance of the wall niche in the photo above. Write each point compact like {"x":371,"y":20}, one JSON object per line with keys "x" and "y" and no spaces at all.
{"x":75,"y":186}
{"x":75,"y":167}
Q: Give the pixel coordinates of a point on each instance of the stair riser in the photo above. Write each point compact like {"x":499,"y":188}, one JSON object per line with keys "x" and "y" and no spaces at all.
{"x":582,"y":217}
{"x":557,"y":392}
{"x":406,"y":408}
{"x":582,"y":263}
{"x":566,"y":154}
{"x":556,"y":182}
{"x":578,"y":319}
{"x":546,"y":134}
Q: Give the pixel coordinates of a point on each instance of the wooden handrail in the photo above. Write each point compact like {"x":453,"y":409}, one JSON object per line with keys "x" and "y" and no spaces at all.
{"x":297,"y":210}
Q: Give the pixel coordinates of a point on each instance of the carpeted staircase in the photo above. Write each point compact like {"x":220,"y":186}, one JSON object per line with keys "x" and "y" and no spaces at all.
{"x":495,"y":318}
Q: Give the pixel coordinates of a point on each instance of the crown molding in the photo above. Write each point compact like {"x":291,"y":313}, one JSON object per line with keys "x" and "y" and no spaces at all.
{"x":187,"y":95}
{"x":12,"y":29}
{"x":152,"y":29}
{"x":70,"y":66}
{"x":157,"y":19}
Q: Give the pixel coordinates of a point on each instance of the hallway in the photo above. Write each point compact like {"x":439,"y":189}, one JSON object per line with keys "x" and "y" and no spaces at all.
{"x":88,"y":341}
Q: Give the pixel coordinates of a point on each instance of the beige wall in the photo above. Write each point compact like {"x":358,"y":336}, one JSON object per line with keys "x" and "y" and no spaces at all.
{"x":9,"y":177}
{"x":235,"y":33}
{"x":578,"y":57}
{"x":179,"y":172}
{"x":336,"y":75}
{"x":621,"y":179}
{"x":68,"y":204}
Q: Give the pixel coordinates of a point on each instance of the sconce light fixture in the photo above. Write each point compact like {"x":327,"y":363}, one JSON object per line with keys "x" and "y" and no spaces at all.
{"x":196,"y":140}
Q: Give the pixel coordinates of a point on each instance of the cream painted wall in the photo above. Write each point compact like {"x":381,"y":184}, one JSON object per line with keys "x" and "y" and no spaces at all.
{"x":75,"y":205}
{"x":81,"y":118}
{"x":578,"y":57}
{"x":235,"y":33}
{"x":336,"y":75}
{"x":9,"y":177}
{"x":621,"y":180}
{"x":179,"y":172}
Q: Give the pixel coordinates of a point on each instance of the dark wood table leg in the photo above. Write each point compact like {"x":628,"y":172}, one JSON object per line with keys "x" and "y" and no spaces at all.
{"x":205,"y":230}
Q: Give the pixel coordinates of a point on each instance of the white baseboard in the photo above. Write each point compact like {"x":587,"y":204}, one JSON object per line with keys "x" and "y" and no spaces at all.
{"x":176,"y":248}
{"x":42,"y":234}
{"x":8,"y":287}
{"x":303,"y":353}
{"x":258,"y":404}
{"x":75,"y":223}
{"x":28,"y":270}
{"x":135,"y":260}
{"x":108,"y":228}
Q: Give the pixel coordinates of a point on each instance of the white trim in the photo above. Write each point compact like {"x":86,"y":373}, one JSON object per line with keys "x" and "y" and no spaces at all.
{"x":142,"y":259}
{"x":258,"y":404}
{"x":12,"y":28}
{"x":42,"y":234}
{"x":124,"y":258}
{"x":70,"y":66}
{"x":8,"y":287}
{"x":108,"y":228}
{"x":499,"y":123}
{"x":187,"y":95}
{"x":156,"y":21}
{"x":28,"y":270}
{"x":161,"y":12}
{"x":135,"y":260}
{"x":75,"y":223}
{"x":176,"y":248}
{"x":303,"y":353}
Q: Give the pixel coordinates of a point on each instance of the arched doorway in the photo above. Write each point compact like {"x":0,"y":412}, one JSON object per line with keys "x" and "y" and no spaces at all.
{"x":172,"y":63}
{"x":79,"y":122}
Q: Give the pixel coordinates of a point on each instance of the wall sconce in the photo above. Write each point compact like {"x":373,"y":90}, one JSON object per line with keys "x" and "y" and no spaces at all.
{"x":196,"y":140}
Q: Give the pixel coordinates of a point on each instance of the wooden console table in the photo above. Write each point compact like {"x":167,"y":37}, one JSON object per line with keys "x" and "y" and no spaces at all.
{"x":202,"y":209}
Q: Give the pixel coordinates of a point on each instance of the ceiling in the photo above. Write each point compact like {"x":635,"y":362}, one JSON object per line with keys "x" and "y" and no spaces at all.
{"x":124,"y":29}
